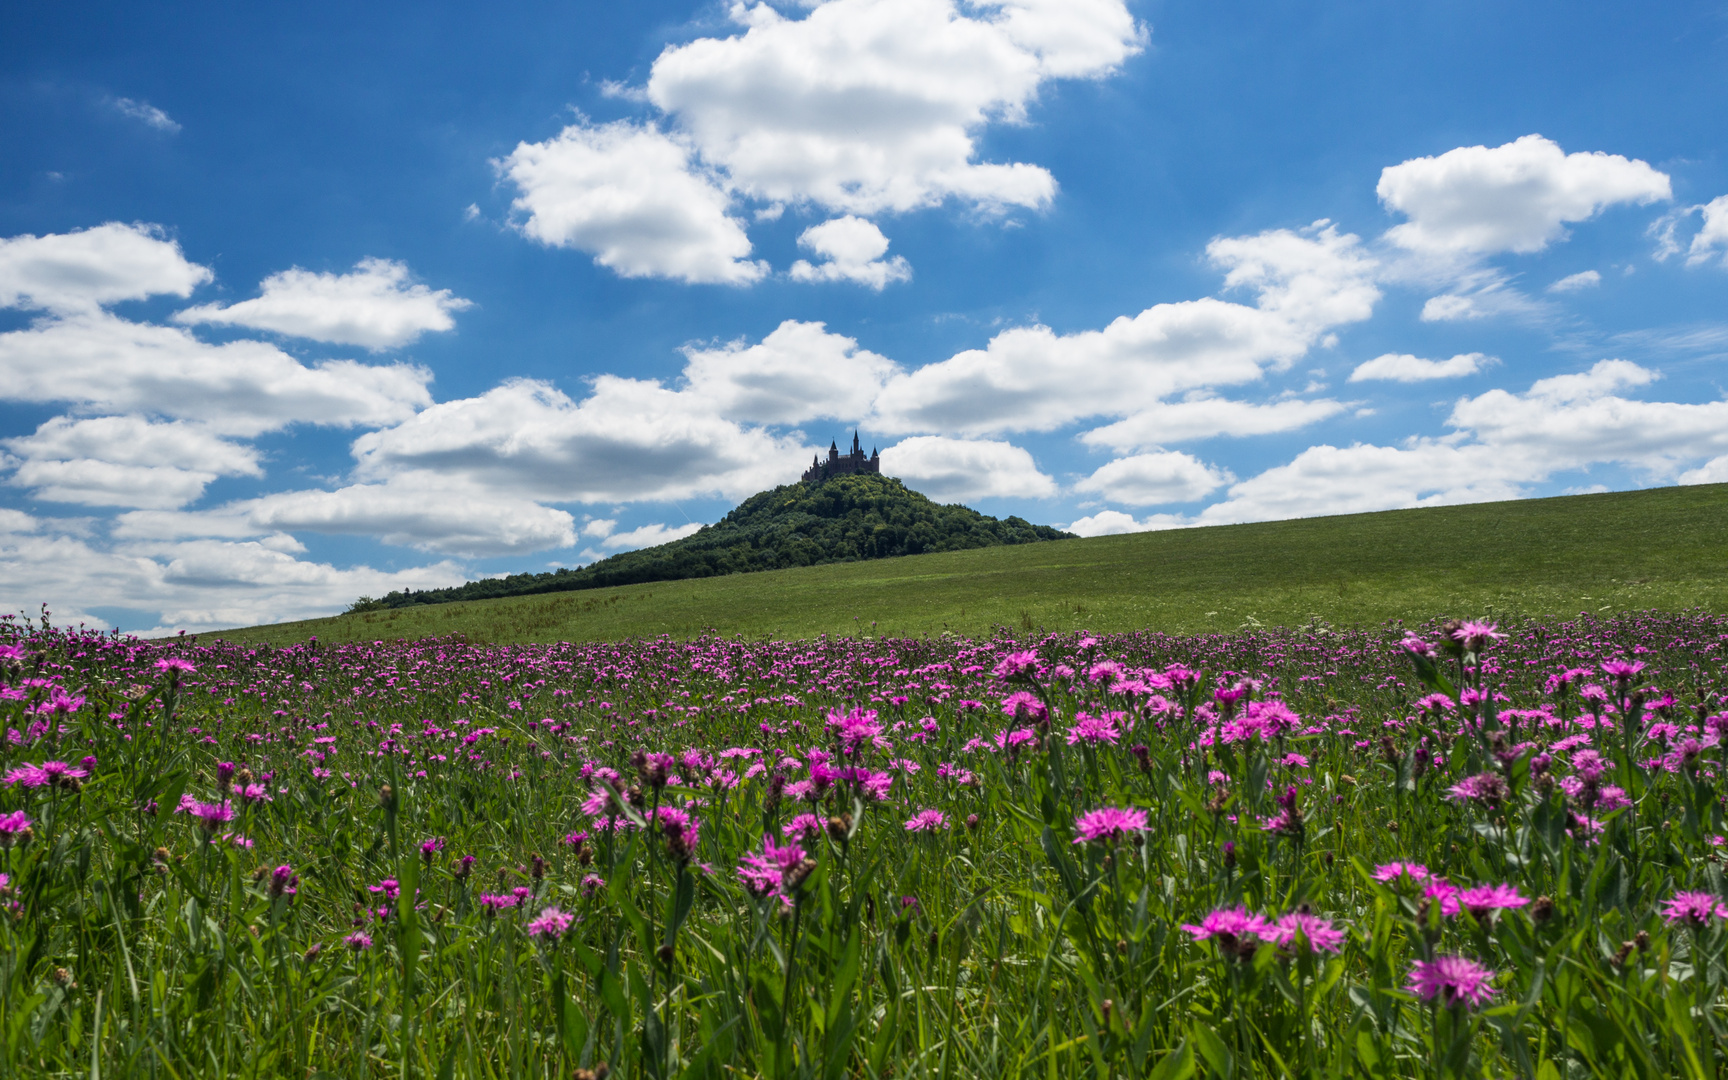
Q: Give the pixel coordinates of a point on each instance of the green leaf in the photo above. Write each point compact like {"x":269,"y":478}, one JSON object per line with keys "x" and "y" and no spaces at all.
{"x":1214,"y":1050}
{"x":1177,"y":1065}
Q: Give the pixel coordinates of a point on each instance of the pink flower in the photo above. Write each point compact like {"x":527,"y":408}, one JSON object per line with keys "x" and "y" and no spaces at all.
{"x":49,"y":772}
{"x":764,"y":874}
{"x":1231,"y":926}
{"x":1391,"y":872}
{"x":1485,"y":787}
{"x":1474,"y":635}
{"x":1025,"y":708}
{"x":13,"y":826}
{"x":359,"y":941}
{"x":283,"y":881}
{"x":804,"y":827}
{"x":175,"y":665}
{"x":1695,"y":909}
{"x":593,"y":885}
{"x":1488,"y":898}
{"x":552,"y":923}
{"x":1093,"y":730}
{"x":1452,"y":980}
{"x":210,"y":816}
{"x":1320,"y":934}
{"x":1017,"y":664}
{"x":1445,"y":894}
{"x":1109,"y":824}
{"x":927,"y":821}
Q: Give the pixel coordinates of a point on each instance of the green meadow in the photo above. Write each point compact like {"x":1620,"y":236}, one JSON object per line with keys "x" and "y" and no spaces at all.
{"x":1664,"y":549}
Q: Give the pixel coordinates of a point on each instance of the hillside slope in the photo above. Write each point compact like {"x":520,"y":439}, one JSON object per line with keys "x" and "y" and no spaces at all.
{"x":846,"y":519}
{"x":1665,"y":548}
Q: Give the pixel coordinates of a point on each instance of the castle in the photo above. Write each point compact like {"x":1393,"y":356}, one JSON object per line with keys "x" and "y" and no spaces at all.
{"x":855,"y":462}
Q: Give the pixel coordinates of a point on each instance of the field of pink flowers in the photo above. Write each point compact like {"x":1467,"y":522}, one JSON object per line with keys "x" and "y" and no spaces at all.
{"x":1454,"y":850}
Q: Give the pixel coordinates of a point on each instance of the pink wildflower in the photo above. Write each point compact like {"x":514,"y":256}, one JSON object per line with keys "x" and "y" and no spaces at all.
{"x":927,"y":821}
{"x":552,"y":923}
{"x":1093,"y":730}
{"x":1320,"y":934}
{"x":1109,"y":824}
{"x":1484,"y":899}
{"x":1695,"y":909}
{"x":1452,"y":980}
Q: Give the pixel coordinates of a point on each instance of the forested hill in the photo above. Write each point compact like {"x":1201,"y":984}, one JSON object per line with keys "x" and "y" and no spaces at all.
{"x":846,"y":519}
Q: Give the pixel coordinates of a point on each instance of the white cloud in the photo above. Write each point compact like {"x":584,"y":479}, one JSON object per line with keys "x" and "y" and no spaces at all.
{"x":631,"y":195}
{"x":1584,"y":279}
{"x":853,"y":250}
{"x":1201,"y":415}
{"x":148,"y":113}
{"x":1517,"y":197}
{"x":102,"y":363}
{"x":799,"y":372}
{"x":859,"y":107}
{"x":375,"y":306}
{"x":1033,"y":379}
{"x":599,"y":528}
{"x":1713,"y":237}
{"x":1714,"y":471}
{"x":422,"y":510}
{"x":628,"y":440}
{"x":965,"y":469}
{"x":196,"y":585}
{"x":1150,"y":479}
{"x":648,"y":536}
{"x":1502,"y":442}
{"x":864,"y":106}
{"x":1115,"y":523}
{"x":85,"y":269}
{"x":1404,"y":368}
{"x":133,"y":440}
{"x":125,"y":461}
{"x":1451,"y":308}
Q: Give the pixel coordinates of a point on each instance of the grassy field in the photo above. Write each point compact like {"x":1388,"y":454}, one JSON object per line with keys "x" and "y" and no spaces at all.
{"x":1665,"y":548}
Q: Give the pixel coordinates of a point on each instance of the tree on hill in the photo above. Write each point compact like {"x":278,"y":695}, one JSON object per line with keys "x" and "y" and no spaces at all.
{"x":845,"y":519}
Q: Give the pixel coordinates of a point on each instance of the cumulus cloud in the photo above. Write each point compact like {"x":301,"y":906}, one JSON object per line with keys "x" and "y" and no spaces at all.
{"x":863,"y":106}
{"x":1033,"y":379}
{"x":798,"y":372}
{"x":125,"y":461}
{"x":1405,"y":368}
{"x":1116,"y":523}
{"x":1584,"y":279}
{"x":858,"y":106}
{"x":87,"y":268}
{"x":1512,"y":198}
{"x":197,"y":585}
{"x":375,"y":306}
{"x":1202,"y":415}
{"x":423,"y":511}
{"x":1714,"y":471}
{"x":648,"y":536}
{"x":630,"y":194}
{"x":1151,"y":479}
{"x":963,"y":469}
{"x":145,"y":112}
{"x":852,"y":249}
{"x":1502,"y":442}
{"x":103,"y":363}
{"x":628,"y":440}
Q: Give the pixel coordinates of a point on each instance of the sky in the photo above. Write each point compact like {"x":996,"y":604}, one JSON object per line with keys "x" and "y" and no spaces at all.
{"x":301,"y":303}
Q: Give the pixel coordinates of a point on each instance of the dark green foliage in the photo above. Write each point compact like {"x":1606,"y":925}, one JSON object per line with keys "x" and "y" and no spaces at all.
{"x":846,"y":519}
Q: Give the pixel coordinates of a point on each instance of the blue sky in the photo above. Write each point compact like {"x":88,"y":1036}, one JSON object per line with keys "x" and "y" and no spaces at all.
{"x":299,"y":303}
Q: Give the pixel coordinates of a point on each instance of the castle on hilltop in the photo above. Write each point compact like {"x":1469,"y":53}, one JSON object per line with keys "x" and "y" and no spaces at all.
{"x":836,"y":465}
